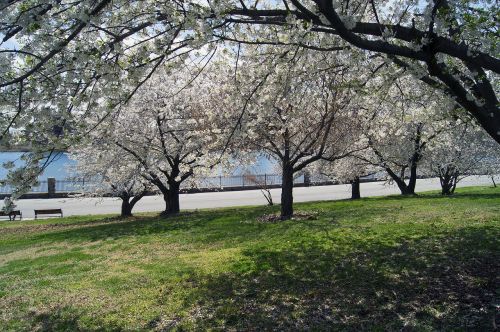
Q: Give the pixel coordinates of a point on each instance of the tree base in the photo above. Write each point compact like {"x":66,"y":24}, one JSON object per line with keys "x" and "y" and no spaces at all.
{"x":274,"y":218}
{"x":169,"y":214}
{"x":409,"y":194}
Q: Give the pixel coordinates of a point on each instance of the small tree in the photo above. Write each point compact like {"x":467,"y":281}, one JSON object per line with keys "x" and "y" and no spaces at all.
{"x":464,"y":151}
{"x":110,"y":172}
{"x":401,"y":127}
{"x":261,"y":182}
{"x":348,"y":170}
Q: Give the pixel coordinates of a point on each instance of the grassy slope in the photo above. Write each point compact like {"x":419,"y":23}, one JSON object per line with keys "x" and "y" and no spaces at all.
{"x":423,"y":263}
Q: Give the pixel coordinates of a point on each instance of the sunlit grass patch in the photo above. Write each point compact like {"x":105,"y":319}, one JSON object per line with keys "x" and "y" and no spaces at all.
{"x":388,"y":263}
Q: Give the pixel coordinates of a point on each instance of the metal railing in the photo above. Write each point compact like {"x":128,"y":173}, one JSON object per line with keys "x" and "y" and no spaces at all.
{"x":208,"y":183}
{"x":39,"y":187}
{"x":236,"y":181}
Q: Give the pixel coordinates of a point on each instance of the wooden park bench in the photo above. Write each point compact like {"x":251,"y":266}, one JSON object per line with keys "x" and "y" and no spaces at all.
{"x":12,"y":214}
{"x":48,"y":212}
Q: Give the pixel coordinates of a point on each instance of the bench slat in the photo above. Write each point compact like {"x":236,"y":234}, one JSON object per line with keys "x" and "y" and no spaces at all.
{"x":48,"y":211}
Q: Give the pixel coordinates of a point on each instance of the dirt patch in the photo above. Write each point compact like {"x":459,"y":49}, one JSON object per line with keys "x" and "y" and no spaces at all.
{"x":299,"y":216}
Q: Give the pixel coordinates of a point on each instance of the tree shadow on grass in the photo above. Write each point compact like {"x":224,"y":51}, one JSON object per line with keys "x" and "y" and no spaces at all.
{"x":220,"y":220}
{"x":435,"y":283}
{"x":457,"y":195}
{"x":55,"y":321}
{"x":67,"y":318}
{"x":195,"y":222}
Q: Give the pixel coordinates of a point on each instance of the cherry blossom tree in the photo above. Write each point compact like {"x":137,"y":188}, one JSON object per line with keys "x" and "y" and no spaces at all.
{"x":63,"y":62}
{"x":171,"y":131}
{"x":450,"y":45}
{"x":400,"y":128}
{"x":456,"y":154}
{"x":63,"y":59}
{"x":348,"y":170}
{"x":109,"y":171}
{"x":297,"y":117}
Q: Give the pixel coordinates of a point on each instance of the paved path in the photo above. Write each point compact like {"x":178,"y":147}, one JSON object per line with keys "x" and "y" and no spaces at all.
{"x":86,"y":206}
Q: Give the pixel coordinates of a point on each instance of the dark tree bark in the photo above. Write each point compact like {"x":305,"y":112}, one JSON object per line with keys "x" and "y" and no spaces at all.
{"x":126,"y":210}
{"x":128,"y":203}
{"x":448,"y":187}
{"x":448,"y":177}
{"x":418,"y":147}
{"x":287,"y":193}
{"x":413,"y":177}
{"x":400,"y":182}
{"x":415,"y":159}
{"x":164,"y":191}
{"x":173,"y":198}
{"x":286,"y":180}
{"x":355,"y":190}
{"x":170,"y":195}
{"x":165,"y":212}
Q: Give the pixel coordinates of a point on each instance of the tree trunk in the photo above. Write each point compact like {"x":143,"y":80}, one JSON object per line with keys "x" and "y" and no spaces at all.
{"x":413,"y":178}
{"x":164,"y":190}
{"x":126,"y":207}
{"x":415,"y":159}
{"x":128,"y":203}
{"x":446,"y":187}
{"x":173,"y":198}
{"x":403,"y":187}
{"x":455,"y":181}
{"x":493,"y":180}
{"x":167,"y":204}
{"x":448,"y":179}
{"x":287,"y":192}
{"x":355,"y":191}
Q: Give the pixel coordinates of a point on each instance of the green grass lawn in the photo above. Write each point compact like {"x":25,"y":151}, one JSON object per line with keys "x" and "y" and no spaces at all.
{"x":423,"y":263}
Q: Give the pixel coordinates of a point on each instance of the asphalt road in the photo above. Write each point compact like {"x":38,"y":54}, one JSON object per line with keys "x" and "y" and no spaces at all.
{"x":90,"y":206}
